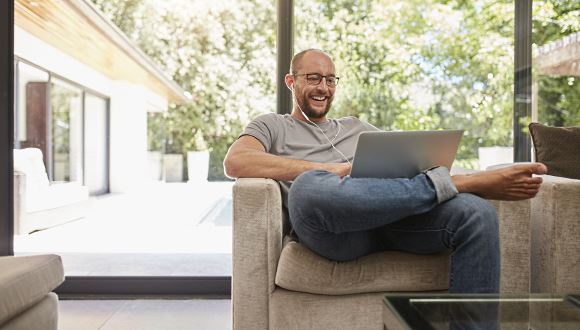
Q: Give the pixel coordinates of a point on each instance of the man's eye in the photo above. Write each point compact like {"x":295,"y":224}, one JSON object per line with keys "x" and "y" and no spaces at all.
{"x":331,"y":80}
{"x":313,"y":78}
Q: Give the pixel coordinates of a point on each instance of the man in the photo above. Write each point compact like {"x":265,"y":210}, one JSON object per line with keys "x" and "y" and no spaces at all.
{"x":343,"y":218}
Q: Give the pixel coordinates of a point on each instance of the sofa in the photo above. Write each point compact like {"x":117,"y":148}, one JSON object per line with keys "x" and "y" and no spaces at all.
{"x":38,"y":203}
{"x":279,"y":284}
{"x":26,"y":297}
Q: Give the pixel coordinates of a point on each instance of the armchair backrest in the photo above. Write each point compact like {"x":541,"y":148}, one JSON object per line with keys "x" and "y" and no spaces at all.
{"x":29,"y":161}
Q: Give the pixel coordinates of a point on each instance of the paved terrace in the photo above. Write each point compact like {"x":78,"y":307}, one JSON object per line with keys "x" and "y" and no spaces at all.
{"x":179,"y":229}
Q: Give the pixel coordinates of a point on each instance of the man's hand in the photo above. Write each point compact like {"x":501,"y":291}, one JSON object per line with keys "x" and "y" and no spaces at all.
{"x":511,"y":183}
{"x":340,"y":169}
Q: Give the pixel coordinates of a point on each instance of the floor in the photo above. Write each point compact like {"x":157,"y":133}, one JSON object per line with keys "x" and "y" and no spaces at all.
{"x":196,"y":314}
{"x":164,"y":229}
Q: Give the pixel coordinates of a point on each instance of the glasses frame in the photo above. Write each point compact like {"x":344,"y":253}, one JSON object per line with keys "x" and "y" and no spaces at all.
{"x":329,"y":84}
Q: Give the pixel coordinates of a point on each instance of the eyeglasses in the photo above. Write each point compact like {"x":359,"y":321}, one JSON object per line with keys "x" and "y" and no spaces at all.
{"x":315,"y":79}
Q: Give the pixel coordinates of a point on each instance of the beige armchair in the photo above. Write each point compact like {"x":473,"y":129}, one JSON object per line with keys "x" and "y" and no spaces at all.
{"x":38,"y":203}
{"x":26,"y":297}
{"x":555,"y":221}
{"x":279,"y":284}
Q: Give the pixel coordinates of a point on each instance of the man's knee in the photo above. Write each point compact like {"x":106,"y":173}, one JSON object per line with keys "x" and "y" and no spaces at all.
{"x":479,"y":214}
{"x":309,"y":189}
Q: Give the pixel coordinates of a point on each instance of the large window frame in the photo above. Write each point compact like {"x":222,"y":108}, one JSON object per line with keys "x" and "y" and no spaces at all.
{"x":212,"y":286}
{"x":84,"y":91}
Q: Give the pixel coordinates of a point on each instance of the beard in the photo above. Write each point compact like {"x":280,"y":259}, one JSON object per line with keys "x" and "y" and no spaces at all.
{"x":310,"y":112}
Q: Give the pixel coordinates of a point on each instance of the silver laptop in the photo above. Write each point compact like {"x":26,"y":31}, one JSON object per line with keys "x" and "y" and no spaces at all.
{"x":403,"y":154}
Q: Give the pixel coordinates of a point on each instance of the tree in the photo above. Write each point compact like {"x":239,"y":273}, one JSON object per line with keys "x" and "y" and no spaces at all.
{"x":222,"y":52}
{"x":559,"y":96}
{"x":415,"y":64}
{"x":442,"y":64}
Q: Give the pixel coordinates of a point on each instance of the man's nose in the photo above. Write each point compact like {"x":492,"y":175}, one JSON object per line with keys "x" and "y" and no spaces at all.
{"x":322,"y":85}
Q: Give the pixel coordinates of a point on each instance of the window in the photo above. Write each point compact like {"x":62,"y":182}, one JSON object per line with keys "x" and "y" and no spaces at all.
{"x":416,"y":65}
{"x":556,"y":37}
{"x":31,"y":107}
{"x":66,"y":129}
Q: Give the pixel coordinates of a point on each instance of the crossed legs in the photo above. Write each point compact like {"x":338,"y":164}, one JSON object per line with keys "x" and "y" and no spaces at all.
{"x":343,"y":219}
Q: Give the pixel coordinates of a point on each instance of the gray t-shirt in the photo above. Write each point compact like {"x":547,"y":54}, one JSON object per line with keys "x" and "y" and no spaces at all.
{"x":286,"y":136}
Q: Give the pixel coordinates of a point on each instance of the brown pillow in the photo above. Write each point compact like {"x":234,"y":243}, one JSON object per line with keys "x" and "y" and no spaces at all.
{"x":558,"y":148}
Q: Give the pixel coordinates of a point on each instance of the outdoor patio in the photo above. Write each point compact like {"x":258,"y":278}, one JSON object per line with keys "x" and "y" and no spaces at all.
{"x":165,"y":229}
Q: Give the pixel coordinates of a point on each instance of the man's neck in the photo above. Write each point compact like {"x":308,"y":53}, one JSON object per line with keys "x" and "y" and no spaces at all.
{"x":296,"y":113}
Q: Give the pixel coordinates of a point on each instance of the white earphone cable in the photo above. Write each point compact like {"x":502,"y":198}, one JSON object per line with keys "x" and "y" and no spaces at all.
{"x":321,"y":131}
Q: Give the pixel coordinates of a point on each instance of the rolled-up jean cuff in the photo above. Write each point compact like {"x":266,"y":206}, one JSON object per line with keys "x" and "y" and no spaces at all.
{"x":442,"y":181}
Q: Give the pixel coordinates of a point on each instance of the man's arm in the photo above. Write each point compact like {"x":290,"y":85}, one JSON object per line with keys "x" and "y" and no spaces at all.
{"x":247,"y":158}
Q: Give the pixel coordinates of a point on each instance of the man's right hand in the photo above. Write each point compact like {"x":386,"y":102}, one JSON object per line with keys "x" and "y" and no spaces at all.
{"x":340,"y":169}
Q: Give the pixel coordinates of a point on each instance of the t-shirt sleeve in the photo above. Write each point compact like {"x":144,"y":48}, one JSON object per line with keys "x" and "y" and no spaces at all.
{"x":262,"y":128}
{"x":362,"y":125}
{"x":369,"y":127}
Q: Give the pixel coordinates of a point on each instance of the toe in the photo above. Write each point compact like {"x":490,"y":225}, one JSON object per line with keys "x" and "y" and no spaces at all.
{"x":540,"y":168}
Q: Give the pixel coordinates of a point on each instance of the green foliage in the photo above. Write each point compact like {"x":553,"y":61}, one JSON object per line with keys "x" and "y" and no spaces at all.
{"x":220,"y":51}
{"x":559,"y":96}
{"x":419,"y":64}
{"x":415,"y":64}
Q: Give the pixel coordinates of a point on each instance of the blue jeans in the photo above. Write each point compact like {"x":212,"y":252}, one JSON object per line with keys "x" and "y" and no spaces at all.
{"x":343,"y":219}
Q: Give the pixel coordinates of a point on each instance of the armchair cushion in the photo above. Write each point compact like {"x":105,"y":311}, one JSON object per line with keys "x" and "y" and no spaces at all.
{"x":557,"y":147}
{"x":29,"y":161}
{"x":25,"y":281}
{"x":56,"y":195}
{"x":302,"y":270}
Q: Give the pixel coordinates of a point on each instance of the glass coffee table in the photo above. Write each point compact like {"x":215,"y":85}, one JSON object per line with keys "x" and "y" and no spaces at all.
{"x":481,"y":311}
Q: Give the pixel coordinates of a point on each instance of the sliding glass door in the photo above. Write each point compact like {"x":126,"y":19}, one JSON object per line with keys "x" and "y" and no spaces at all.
{"x":96,"y":146}
{"x":66,"y":131}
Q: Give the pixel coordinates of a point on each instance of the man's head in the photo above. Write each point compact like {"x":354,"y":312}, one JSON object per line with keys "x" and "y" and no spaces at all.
{"x":312,"y":80}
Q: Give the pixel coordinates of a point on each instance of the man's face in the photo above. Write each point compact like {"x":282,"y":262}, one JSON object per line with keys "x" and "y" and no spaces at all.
{"x":314,"y":100}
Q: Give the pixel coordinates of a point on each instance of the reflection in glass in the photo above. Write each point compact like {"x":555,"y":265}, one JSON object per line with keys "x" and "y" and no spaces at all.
{"x":486,"y":311}
{"x":31,"y":115}
{"x":66,"y":113}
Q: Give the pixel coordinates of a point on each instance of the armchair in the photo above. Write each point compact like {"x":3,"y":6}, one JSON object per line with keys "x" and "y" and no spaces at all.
{"x":555,"y":221}
{"x":26,"y":300}
{"x":38,"y":203}
{"x":279,"y":284}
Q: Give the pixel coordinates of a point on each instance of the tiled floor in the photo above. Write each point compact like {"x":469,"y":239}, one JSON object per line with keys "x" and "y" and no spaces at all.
{"x":196,"y":314}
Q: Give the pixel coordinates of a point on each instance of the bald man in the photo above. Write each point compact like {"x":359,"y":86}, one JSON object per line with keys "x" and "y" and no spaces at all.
{"x":343,"y":218}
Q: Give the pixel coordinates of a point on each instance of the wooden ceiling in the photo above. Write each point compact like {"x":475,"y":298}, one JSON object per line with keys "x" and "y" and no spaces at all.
{"x":61,"y":24}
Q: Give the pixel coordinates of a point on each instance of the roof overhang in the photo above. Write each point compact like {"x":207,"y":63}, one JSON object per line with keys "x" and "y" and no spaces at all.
{"x":78,"y":29}
{"x":559,"y":58}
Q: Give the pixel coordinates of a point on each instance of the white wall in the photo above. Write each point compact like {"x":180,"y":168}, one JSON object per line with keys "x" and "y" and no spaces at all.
{"x":129,"y":104}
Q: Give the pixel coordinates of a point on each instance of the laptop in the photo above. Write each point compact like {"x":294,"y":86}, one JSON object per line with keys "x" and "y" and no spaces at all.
{"x":403,"y":154}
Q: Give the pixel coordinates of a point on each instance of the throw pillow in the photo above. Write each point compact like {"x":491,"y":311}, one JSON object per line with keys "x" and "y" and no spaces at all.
{"x":558,"y":148}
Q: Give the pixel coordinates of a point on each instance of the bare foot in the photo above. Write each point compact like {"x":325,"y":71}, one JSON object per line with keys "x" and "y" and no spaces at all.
{"x":511,"y":183}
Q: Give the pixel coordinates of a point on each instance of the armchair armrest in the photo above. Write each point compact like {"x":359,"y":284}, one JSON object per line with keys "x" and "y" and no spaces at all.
{"x":515,"y":244}
{"x":257,"y":244}
{"x":555,"y":233}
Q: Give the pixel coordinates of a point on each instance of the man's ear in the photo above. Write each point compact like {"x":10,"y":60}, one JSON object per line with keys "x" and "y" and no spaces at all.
{"x":289,"y":80}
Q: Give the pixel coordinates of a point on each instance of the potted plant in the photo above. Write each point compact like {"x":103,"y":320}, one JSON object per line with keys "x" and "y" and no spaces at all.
{"x":197,"y":159}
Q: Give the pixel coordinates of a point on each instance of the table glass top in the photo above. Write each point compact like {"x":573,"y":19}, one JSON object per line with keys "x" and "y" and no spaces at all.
{"x":485,"y":311}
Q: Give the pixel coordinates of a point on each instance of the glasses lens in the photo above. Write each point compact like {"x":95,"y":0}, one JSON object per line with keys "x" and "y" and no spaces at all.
{"x":331,"y":81}
{"x":313,"y":79}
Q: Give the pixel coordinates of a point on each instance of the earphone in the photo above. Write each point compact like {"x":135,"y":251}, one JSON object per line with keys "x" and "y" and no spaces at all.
{"x":320,"y":129}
